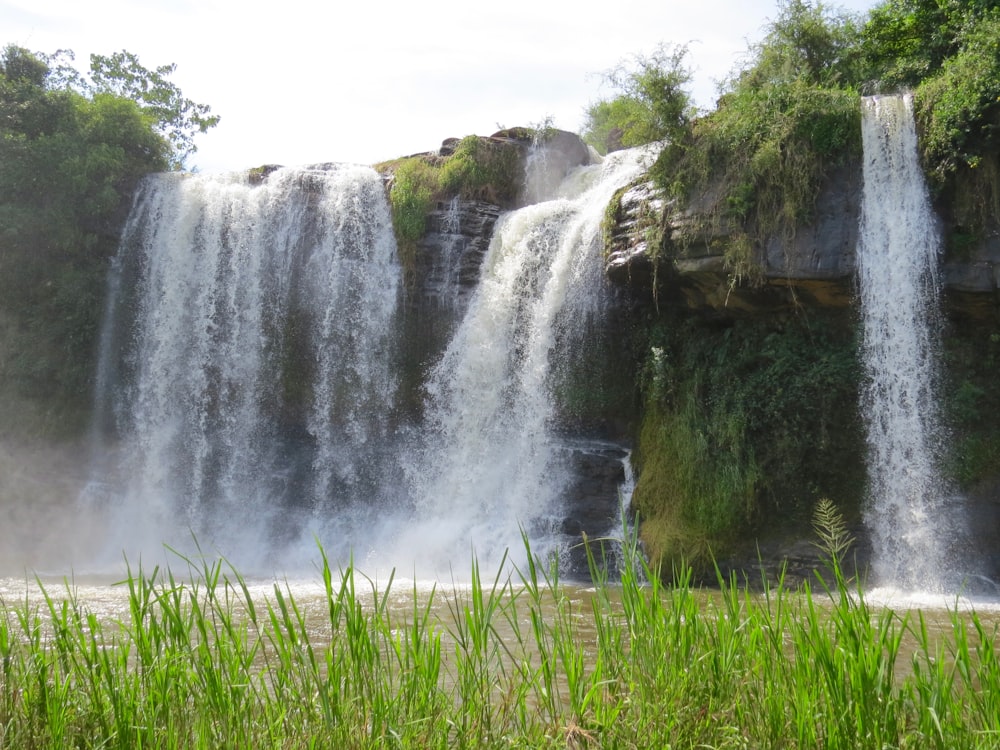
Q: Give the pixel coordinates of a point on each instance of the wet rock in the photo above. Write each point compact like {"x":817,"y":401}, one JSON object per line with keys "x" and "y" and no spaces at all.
{"x":634,"y":242}
{"x":680,"y":250}
{"x":592,"y":501}
{"x":444,"y":273}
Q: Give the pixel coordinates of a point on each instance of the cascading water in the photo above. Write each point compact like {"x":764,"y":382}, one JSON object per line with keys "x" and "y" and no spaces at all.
{"x":492,"y":463}
{"x":250,"y":360}
{"x":445,"y":272}
{"x":910,"y":517}
{"x":247,"y":357}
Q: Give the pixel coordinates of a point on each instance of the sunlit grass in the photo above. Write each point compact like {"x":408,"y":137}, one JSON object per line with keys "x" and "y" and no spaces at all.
{"x":514,"y":660}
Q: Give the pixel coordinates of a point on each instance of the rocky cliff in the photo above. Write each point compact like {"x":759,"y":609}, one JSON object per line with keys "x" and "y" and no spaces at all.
{"x":733,"y":327}
{"x":685,"y":250}
{"x":466,"y":194}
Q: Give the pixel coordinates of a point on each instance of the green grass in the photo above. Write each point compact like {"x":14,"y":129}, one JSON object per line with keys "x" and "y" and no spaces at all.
{"x":515,"y":660}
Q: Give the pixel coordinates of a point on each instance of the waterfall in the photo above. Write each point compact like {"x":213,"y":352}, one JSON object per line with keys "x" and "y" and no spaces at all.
{"x":250,"y":381}
{"x":910,"y":517}
{"x":491,"y":464}
{"x":246,"y":361}
{"x":444,"y":276}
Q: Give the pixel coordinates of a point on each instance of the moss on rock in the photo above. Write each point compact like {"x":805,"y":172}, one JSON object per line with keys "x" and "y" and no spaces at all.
{"x":746,"y":424}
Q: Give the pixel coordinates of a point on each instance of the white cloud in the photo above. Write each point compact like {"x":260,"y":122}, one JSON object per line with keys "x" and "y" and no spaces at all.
{"x":297,"y":81}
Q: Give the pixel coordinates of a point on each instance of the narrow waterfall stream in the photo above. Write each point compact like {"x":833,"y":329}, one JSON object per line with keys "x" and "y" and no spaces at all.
{"x":913,"y":522}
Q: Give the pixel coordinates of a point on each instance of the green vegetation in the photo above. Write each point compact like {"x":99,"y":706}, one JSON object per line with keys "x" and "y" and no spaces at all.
{"x":591,"y":381}
{"x":949,"y":54}
{"x":71,"y":151}
{"x":175,"y":117}
{"x":781,"y":127}
{"x":415,"y":183}
{"x":508,"y":662}
{"x":790,"y":117}
{"x":487,"y":169}
{"x":958,"y":110}
{"x":652,"y":104}
{"x":746,"y":424}
{"x":972,"y":356}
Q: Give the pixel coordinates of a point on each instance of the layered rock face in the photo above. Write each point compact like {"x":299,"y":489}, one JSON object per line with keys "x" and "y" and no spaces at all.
{"x":438,"y":286}
{"x":686,"y":248}
{"x":972,"y":277}
{"x":446,"y":261}
{"x":683,"y":247}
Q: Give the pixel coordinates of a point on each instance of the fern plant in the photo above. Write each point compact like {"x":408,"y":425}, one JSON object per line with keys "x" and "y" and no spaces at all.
{"x":833,"y":537}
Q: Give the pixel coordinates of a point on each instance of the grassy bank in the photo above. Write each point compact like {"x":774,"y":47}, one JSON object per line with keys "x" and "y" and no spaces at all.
{"x":199,"y":661}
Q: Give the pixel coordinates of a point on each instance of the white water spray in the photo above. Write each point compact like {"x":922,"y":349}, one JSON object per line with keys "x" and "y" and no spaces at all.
{"x":909,"y":516}
{"x":236,"y":306}
{"x":249,"y":367}
{"x":492,"y":463}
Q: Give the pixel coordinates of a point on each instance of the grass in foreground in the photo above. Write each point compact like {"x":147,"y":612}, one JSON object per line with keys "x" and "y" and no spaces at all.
{"x":199,"y":662}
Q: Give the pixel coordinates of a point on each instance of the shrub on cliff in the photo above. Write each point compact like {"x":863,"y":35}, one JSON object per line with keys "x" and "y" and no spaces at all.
{"x":791,"y":113}
{"x":958,"y":111}
{"x":783,"y":123}
{"x":949,"y":54}
{"x":652,"y":103}
{"x":488,"y":169}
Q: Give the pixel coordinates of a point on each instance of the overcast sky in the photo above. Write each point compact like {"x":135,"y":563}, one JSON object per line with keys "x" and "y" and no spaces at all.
{"x":304,"y":81}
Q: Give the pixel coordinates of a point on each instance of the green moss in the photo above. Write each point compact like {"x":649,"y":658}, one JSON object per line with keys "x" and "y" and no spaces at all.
{"x":415,"y":185}
{"x":611,"y":219}
{"x":971,"y":402}
{"x":257,"y":175}
{"x":746,"y":424}
{"x":698,"y":480}
{"x":592,"y":380}
{"x":483,"y":169}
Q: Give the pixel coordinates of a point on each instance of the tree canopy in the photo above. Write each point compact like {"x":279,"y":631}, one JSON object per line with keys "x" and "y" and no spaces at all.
{"x":177,"y":118}
{"x":71,"y":150}
{"x":652,"y":104}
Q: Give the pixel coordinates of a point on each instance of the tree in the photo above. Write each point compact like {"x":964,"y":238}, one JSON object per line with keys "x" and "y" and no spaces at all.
{"x":177,"y":118}
{"x":808,"y":43}
{"x":905,"y":41}
{"x":71,"y":151}
{"x":652,"y":104}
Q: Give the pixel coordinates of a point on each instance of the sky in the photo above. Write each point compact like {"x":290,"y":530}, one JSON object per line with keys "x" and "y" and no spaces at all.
{"x":306,"y":81}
